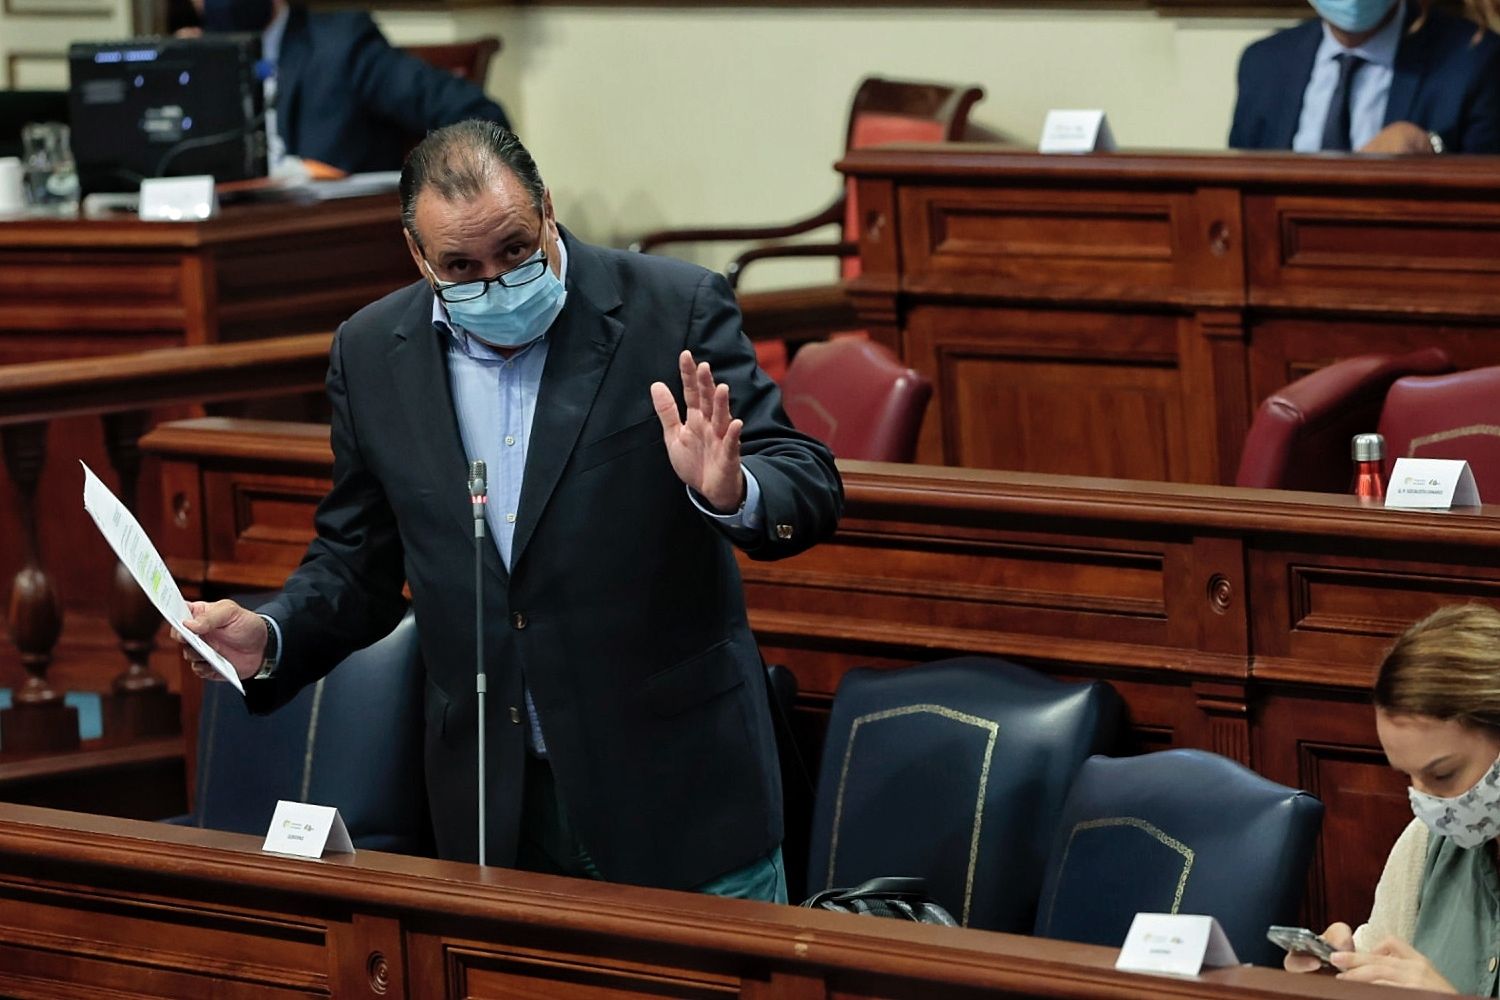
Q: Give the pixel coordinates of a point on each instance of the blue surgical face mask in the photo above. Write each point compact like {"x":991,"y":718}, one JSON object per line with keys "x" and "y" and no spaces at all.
{"x":236,"y":15}
{"x":509,"y":317}
{"x":1353,"y":16}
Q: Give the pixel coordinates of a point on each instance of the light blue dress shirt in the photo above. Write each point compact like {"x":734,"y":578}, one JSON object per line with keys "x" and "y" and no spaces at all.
{"x":495,"y":398}
{"x":1368,"y":94}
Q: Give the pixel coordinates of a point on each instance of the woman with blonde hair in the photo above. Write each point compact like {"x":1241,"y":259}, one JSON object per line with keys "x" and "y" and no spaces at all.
{"x":1435,"y":923}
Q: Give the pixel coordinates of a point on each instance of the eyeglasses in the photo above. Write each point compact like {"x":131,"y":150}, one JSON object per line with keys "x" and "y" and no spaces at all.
{"x":522,"y":274}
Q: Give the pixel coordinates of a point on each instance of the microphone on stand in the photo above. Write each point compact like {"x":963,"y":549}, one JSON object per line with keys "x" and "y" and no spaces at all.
{"x":478,"y":499}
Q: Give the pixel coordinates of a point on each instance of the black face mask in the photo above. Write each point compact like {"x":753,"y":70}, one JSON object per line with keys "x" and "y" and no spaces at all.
{"x":236,"y":15}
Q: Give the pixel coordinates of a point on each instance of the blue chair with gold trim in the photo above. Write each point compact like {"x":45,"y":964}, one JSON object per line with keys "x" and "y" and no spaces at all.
{"x":352,"y":740}
{"x":1180,"y":831}
{"x":954,"y":772}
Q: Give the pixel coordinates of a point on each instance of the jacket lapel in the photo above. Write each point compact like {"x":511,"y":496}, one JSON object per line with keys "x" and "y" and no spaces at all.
{"x":1411,"y":67}
{"x":419,"y":368}
{"x":583,"y":342}
{"x":1294,"y":83}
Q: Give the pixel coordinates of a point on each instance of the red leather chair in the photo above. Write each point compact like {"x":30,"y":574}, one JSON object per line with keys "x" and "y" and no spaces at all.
{"x":1300,"y":437}
{"x":1447,"y":416}
{"x":856,"y":397}
{"x":882,"y":112}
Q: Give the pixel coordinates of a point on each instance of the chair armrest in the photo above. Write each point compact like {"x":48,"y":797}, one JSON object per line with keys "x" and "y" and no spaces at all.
{"x":738,"y":265}
{"x":832,"y":214}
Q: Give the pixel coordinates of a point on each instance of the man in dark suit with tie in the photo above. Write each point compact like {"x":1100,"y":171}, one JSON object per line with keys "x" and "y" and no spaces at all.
{"x":340,"y":94}
{"x":632,"y":444}
{"x":1378,"y":76}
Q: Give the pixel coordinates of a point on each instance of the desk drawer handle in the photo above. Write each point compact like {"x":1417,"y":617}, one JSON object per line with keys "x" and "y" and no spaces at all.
{"x":380,"y":973}
{"x":1220,"y":593}
{"x":874,"y":225}
{"x":1218,"y":238}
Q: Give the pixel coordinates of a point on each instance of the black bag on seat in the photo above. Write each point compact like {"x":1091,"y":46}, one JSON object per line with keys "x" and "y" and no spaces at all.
{"x":898,"y":898}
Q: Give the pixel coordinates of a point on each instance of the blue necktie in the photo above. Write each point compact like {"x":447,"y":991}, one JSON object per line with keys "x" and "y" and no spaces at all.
{"x":1336,"y":126}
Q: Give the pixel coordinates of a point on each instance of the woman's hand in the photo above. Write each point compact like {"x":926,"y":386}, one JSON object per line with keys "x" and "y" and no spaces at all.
{"x":1392,"y":963}
{"x":1339,"y":935}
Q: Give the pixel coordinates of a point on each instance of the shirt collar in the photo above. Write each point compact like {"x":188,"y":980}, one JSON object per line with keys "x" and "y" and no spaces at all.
{"x":1379,"y":49}
{"x":474,"y":346}
{"x":270,"y":39}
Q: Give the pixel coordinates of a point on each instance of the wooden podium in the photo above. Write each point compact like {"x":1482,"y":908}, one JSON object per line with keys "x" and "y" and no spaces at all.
{"x":1123,"y":314}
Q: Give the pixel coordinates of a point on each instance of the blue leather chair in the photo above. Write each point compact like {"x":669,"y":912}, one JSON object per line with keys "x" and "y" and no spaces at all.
{"x":352,"y":740}
{"x":954,"y":772}
{"x":1180,"y":831}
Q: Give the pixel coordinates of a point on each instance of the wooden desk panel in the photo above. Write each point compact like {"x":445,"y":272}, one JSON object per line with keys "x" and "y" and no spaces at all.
{"x":1139,"y":306}
{"x":256,"y":270}
{"x":90,"y":906}
{"x":1247,"y":622}
{"x":72,"y":288}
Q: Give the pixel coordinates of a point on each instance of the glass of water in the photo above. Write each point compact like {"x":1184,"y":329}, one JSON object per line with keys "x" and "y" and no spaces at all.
{"x":51,"y":176}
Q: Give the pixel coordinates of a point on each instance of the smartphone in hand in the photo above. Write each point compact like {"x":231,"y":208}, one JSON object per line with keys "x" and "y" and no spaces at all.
{"x":1300,"y":941}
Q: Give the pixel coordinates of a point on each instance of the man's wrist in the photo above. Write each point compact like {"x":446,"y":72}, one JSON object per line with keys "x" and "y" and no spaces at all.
{"x":272,"y":653}
{"x":733,"y":508}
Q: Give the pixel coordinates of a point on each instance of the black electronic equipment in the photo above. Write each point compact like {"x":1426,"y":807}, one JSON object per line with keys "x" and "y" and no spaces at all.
{"x":167,"y":107}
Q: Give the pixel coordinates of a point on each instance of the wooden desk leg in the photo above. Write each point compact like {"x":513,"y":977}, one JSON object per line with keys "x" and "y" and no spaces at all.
{"x":38,"y":721}
{"x":139,"y":704}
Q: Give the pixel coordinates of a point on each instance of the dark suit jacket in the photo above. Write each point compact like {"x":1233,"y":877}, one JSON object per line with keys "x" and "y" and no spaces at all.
{"x":346,"y":97}
{"x":1444,"y":81}
{"x":623,"y":610}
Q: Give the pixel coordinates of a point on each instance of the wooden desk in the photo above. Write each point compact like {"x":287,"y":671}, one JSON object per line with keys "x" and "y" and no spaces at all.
{"x":91,"y":906}
{"x":1247,"y":622}
{"x":80,"y":287}
{"x":72,"y":287}
{"x":1122,"y":315}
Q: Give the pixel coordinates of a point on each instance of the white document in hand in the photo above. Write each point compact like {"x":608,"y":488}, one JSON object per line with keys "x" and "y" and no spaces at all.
{"x":126,"y":536}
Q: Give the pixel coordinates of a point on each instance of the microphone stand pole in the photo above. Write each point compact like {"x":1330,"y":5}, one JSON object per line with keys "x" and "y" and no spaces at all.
{"x":478,"y":499}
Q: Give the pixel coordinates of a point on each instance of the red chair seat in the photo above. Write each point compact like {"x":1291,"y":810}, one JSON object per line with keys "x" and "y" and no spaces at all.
{"x":1447,"y":416}
{"x":1300,"y":437}
{"x":855,"y":396}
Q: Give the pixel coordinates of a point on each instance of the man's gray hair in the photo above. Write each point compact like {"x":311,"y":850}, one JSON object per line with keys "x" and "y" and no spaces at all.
{"x":459,"y":162}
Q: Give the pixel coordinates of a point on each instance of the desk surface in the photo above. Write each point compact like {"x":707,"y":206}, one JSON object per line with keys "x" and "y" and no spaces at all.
{"x":148,"y":910}
{"x":234,"y":223}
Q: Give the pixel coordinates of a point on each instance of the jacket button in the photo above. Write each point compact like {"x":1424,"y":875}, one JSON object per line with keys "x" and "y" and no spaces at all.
{"x":515,"y":715}
{"x":784,"y":532}
{"x":518,"y":620}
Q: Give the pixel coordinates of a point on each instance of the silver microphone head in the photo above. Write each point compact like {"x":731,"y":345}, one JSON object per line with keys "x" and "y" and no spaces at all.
{"x":477,"y":484}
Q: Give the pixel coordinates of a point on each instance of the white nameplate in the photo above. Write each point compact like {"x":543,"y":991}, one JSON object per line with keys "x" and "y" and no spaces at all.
{"x":1175,"y":943}
{"x":178,"y":199}
{"x":1076,"y":132}
{"x":306,"y":831}
{"x":1432,"y":483}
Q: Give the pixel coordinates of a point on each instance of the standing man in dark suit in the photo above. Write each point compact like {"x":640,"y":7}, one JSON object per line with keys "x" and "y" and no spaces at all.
{"x":1377,"y":76}
{"x":632,"y":740}
{"x":338,"y":92}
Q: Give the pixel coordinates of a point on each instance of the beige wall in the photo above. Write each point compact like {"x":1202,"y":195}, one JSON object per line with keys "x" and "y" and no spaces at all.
{"x":35,"y":34}
{"x":655,"y":117}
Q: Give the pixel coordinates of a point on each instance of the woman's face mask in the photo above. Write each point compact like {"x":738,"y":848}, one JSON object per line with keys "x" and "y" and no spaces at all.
{"x":1454,"y":770}
{"x":1353,"y":16}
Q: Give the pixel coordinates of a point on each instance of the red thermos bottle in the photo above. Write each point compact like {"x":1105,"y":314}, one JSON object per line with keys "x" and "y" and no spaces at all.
{"x":1368,"y":451}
